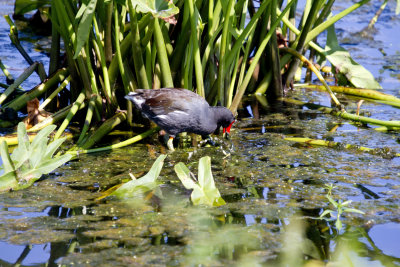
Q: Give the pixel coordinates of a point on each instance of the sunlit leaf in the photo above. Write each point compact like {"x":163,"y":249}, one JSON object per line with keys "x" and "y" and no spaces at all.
{"x":23,"y":139}
{"x":30,"y":161}
{"x":333,"y":202}
{"x":339,"y":57}
{"x":204,"y":192}
{"x":84,"y":16}
{"x":162,"y":9}
{"x":53,"y":146}
{"x":45,"y":167}
{"x":206,"y":181}
{"x":326,"y":212}
{"x":37,"y":152}
{"x":42,"y":135}
{"x":139,"y":186}
{"x":24,"y":6}
{"x":353,"y":210}
{"x":347,"y":202}
{"x":8,"y":181}
{"x":184,"y":175}
{"x":8,"y":165}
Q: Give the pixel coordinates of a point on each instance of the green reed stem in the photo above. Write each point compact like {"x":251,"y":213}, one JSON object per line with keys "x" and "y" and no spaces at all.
{"x":71,"y":114}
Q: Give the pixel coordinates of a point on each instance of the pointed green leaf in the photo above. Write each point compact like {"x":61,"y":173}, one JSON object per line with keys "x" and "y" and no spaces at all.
{"x":37,"y":154}
{"x":206,"y":182}
{"x":85,"y":17}
{"x":339,"y":57}
{"x":353,"y":210}
{"x":158,"y":8}
{"x":8,"y":165}
{"x":42,"y":135}
{"x":184,"y":175}
{"x":347,"y":202}
{"x":143,"y":184}
{"x":23,"y":138}
{"x":8,"y":181}
{"x":45,"y":167}
{"x":52,"y":147}
{"x":333,"y":202}
{"x":205,"y":191}
{"x":21,"y":153}
{"x":326,"y":212}
{"x":24,"y":6}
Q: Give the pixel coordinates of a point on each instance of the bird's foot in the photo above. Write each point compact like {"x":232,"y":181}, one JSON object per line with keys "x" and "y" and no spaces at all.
{"x":170,"y":144}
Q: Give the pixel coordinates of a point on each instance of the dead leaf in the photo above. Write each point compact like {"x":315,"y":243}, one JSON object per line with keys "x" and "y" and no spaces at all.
{"x":35,"y":115}
{"x":170,"y":20}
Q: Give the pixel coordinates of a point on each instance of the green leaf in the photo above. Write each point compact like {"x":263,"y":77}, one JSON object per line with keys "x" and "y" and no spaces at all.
{"x":347,"y":202}
{"x":32,"y":175}
{"x":398,"y":7}
{"x":52,"y":147}
{"x":21,"y":153}
{"x":158,"y":8}
{"x":184,"y":175}
{"x":339,"y":57}
{"x":353,"y":210}
{"x":139,"y":186}
{"x":205,"y":191}
{"x":8,"y":165}
{"x":37,"y":153}
{"x":326,"y":212}
{"x":85,"y":17}
{"x":332,"y":201}
{"x":29,"y":161}
{"x":8,"y":181}
{"x":42,"y":135}
{"x":206,"y":181}
{"x":24,"y":6}
{"x":23,"y":138}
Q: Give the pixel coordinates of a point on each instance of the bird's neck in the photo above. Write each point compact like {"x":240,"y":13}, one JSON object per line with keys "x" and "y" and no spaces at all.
{"x":219,"y":114}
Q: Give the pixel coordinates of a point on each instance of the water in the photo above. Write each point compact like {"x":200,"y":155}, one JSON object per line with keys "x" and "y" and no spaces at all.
{"x":274,"y":189}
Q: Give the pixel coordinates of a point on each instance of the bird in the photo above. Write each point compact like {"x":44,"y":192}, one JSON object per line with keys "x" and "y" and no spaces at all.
{"x":177,"y":110}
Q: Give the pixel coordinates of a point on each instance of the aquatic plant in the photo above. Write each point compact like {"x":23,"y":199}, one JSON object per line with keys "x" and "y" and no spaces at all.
{"x":339,"y":206}
{"x":140,"y":186}
{"x":204,"y":190}
{"x":29,"y":160}
{"x":115,"y":47}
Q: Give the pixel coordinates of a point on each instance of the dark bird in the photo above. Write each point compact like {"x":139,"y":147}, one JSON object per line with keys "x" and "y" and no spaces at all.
{"x":180,"y":110}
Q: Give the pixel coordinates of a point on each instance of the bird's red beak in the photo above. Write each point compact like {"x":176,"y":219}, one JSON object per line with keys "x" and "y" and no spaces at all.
{"x":226,"y":131}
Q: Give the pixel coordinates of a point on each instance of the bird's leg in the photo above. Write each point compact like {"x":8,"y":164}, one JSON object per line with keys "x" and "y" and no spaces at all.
{"x":170,"y":143}
{"x":209,"y":140}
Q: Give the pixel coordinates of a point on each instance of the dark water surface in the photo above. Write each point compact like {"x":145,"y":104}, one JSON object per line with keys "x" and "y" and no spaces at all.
{"x":274,"y":188}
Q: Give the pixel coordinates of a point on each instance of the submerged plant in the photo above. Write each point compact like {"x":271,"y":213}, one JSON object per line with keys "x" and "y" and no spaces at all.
{"x":29,"y":161}
{"x":204,"y":190}
{"x":340,"y":208}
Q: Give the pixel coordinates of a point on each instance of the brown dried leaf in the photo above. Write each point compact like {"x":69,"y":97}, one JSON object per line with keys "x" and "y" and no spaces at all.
{"x":35,"y":115}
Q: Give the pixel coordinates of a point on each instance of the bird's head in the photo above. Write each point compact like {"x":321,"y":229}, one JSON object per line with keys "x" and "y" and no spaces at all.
{"x":225,"y":120}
